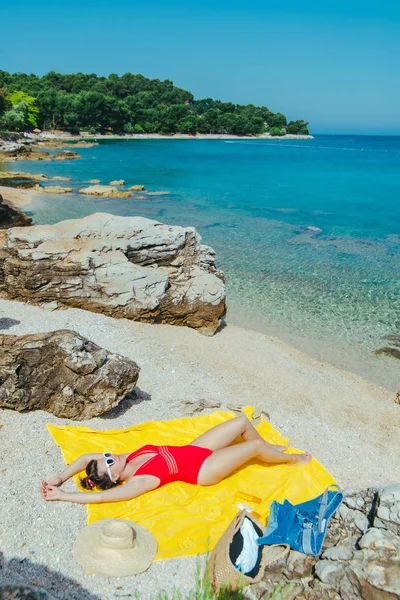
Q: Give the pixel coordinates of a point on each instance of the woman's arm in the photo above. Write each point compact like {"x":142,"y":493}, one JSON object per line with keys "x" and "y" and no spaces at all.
{"x":77,"y":466}
{"x":130,"y":490}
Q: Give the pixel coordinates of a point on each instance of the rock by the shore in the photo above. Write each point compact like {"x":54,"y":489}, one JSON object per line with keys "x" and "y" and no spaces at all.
{"x":360,"y":559}
{"x":94,"y":180}
{"x":104,"y":191}
{"x":137,"y":188}
{"x":57,"y":189}
{"x":23,"y":153}
{"x":66,"y":155}
{"x":12,"y":217}
{"x":63,"y":373}
{"x":61,"y":178}
{"x":23,"y":176}
{"x":391,"y":350}
{"x":117,"y":182}
{"x":122,"y":266}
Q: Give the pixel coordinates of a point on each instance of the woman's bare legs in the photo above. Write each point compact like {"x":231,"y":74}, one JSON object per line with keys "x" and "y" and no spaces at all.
{"x":226,"y":460}
{"x":224,"y":434}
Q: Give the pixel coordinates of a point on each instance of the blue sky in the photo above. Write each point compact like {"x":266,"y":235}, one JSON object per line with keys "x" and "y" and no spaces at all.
{"x":335,"y":64}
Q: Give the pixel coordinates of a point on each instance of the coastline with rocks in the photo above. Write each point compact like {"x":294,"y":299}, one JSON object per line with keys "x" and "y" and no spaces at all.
{"x":349,"y":424}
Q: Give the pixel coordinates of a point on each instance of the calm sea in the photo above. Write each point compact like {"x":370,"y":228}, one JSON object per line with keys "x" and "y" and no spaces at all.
{"x":307,"y":232}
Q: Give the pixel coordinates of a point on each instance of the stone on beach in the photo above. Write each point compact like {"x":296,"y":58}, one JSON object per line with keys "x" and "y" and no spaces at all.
{"x":66,"y":155}
{"x":94,"y":180}
{"x":12,"y":217}
{"x":104,"y":191}
{"x":137,"y":188}
{"x":117,"y":182}
{"x":63,"y":373}
{"x":57,"y":189}
{"x":122,"y":266}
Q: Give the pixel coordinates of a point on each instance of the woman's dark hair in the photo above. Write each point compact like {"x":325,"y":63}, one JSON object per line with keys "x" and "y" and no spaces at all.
{"x":94,"y":479}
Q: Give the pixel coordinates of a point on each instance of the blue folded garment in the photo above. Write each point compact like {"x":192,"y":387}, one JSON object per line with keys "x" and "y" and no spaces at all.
{"x":302,"y":526}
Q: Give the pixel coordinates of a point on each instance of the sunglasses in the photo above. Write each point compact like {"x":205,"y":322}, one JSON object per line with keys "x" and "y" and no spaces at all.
{"x":109,"y":462}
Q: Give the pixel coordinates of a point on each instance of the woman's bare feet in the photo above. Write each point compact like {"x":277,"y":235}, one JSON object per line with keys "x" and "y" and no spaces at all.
{"x":299,"y":459}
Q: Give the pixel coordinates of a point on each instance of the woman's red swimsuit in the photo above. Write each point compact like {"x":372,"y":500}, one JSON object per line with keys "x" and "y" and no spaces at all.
{"x":172,"y":463}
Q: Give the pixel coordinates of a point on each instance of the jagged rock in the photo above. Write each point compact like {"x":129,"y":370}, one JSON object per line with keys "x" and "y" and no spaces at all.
{"x":22,"y":175}
{"x":63,"y":373}
{"x":12,"y":217}
{"x":57,"y":189}
{"x":137,"y":188}
{"x":128,"y":267}
{"x":376,"y":539}
{"x":66,"y":155}
{"x":299,"y":565}
{"x":388,"y":510}
{"x":106,"y":191}
{"x":117,"y":182}
{"x":23,"y":592}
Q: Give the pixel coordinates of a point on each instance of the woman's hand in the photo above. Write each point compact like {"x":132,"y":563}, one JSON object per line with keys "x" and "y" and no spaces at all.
{"x":56,"y":480}
{"x":51,"y":492}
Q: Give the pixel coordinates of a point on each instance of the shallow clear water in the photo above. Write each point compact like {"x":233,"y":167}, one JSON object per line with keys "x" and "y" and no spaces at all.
{"x":335,"y":292}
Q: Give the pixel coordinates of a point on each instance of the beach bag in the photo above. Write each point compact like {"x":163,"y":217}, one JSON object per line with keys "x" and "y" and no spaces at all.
{"x":221,"y":569}
{"x":302,"y":526}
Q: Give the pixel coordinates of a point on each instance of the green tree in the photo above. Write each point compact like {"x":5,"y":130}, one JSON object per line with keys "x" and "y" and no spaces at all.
{"x":4,"y":103}
{"x":16,"y":119}
{"x":276,"y":131}
{"x":114,"y":103}
{"x":18,"y":97}
{"x":188,"y":124}
{"x":277,"y":120}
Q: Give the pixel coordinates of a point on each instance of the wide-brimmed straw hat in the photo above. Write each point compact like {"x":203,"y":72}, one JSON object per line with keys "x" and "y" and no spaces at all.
{"x":115,"y":548}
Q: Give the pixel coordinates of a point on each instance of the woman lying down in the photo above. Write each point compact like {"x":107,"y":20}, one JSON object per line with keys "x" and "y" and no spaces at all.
{"x":205,"y":461}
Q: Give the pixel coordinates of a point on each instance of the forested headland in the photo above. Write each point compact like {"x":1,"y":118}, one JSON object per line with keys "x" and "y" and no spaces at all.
{"x":127,"y":104}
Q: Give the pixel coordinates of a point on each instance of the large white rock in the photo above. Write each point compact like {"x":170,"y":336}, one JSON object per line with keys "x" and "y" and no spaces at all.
{"x":123,"y":266}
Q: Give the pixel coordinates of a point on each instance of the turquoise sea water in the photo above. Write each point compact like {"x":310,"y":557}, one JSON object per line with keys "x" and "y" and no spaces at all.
{"x":333,"y":291}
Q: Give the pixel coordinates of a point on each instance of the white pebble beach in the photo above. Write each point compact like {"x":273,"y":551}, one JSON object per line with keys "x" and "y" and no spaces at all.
{"x":349,"y":424}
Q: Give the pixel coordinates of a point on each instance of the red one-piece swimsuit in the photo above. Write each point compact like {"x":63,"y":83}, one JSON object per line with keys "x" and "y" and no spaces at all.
{"x":172,"y":463}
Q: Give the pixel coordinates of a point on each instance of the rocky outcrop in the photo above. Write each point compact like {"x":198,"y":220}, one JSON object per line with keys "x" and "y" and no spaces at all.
{"x":117,"y":182}
{"x":136,"y":188}
{"x":94,"y":180}
{"x":21,"y":175}
{"x":63,"y":373}
{"x":66,"y":155}
{"x":104,"y":191}
{"x":122,"y":266}
{"x":392,"y":349}
{"x":361,"y":557}
{"x":57,"y":189}
{"x":12,"y":217}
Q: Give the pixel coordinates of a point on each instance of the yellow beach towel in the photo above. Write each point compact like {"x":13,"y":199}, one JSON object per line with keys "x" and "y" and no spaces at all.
{"x":189,"y":519}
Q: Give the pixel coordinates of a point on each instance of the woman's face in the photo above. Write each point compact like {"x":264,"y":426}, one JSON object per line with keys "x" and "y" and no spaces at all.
{"x":115,"y":470}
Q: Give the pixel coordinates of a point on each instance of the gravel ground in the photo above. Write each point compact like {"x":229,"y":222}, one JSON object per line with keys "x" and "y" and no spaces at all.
{"x":349,"y":424}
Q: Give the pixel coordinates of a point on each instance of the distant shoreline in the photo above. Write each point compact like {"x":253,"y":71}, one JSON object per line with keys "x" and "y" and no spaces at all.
{"x":177,"y":136}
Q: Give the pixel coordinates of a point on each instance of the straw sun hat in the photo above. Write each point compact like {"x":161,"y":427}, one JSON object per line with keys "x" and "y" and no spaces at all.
{"x":115,"y":548}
